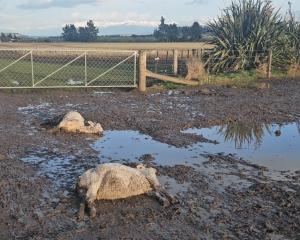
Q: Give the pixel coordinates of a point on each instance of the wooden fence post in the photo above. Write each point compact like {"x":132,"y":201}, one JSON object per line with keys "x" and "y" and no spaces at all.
{"x":142,"y":71}
{"x":194,"y":52}
{"x":175,"y":63}
{"x":270,"y":64}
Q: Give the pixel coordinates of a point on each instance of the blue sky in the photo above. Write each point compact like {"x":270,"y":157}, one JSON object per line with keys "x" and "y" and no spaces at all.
{"x":46,"y":17}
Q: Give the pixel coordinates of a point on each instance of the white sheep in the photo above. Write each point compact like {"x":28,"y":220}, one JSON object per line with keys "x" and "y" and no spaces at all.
{"x":116,"y":181}
{"x":74,"y":122}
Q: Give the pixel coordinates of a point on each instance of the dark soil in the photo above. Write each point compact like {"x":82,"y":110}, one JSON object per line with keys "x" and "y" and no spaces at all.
{"x":226,"y":198}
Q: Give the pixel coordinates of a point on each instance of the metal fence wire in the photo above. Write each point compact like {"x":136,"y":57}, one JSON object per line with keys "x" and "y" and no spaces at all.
{"x":201,"y":63}
{"x":67,"y":68}
{"x":162,"y":61}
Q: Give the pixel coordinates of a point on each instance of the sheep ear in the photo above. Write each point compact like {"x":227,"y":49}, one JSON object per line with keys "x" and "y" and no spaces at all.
{"x":140,"y":166}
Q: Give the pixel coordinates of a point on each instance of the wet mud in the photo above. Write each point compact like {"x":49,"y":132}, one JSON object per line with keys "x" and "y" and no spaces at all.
{"x":222,"y":192}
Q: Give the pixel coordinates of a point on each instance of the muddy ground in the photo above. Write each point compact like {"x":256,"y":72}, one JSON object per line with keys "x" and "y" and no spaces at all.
{"x":225,"y":198}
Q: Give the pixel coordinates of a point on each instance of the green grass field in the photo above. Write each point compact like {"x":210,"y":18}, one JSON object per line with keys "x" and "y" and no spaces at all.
{"x":20,"y":74}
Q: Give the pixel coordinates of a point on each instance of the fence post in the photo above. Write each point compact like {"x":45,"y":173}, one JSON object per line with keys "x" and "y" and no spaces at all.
{"x":142,"y":70}
{"x":270,"y":64}
{"x":32,"y":70}
{"x":194,"y":52}
{"x":85,"y":68}
{"x":175,"y":64}
{"x":135,"y":63}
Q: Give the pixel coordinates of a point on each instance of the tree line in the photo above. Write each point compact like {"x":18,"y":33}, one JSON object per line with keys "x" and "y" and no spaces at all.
{"x":164,"y":33}
{"x":8,"y":37}
{"x":88,"y":33}
{"x":173,"y":33}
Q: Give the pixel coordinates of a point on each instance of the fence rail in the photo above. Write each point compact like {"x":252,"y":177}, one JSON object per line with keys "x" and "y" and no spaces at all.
{"x":26,"y":68}
{"x":198,"y":66}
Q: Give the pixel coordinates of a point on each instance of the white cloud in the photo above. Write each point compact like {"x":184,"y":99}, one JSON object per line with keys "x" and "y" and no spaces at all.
{"x":42,"y":4}
{"x":197,"y":2}
{"x":108,"y":23}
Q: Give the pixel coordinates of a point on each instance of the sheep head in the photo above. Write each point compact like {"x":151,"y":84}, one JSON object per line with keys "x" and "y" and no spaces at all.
{"x":150,"y":174}
{"x":87,"y":179}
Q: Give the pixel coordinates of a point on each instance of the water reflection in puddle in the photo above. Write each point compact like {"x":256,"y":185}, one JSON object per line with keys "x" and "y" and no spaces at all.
{"x":257,"y":143}
{"x":274,"y":146}
{"x":129,"y":146}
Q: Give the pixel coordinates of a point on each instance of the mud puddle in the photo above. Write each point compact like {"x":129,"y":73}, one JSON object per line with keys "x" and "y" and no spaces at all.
{"x":276,"y":147}
{"x":129,"y":146}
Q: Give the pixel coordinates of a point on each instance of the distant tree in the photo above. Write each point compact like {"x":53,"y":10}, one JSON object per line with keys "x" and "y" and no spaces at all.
{"x":82,"y":34}
{"x":70,"y":33}
{"x":173,"y":33}
{"x":196,"y":31}
{"x":157,"y":35}
{"x":161,"y":33}
{"x":3,"y":37}
{"x":88,"y":33}
{"x":91,"y":31}
{"x":185,"y":34}
{"x":165,"y":32}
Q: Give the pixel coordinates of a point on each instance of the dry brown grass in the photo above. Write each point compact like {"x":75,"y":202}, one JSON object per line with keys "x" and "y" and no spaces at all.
{"x":262,"y":70}
{"x":196,"y":70}
{"x":293,"y":71}
{"x":105,"y":46}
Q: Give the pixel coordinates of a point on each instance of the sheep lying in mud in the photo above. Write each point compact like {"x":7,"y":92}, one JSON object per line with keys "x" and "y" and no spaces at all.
{"x":113,"y":181}
{"x":75,"y":123}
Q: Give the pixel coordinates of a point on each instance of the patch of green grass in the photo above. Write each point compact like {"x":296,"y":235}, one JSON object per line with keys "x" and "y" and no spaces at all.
{"x":172,"y":86}
{"x":242,"y":79}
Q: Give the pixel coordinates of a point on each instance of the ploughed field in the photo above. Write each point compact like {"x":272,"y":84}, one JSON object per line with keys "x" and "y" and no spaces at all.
{"x":229,"y":155}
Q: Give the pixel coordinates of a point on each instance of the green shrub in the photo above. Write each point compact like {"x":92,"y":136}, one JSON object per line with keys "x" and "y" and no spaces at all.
{"x":244,"y":35}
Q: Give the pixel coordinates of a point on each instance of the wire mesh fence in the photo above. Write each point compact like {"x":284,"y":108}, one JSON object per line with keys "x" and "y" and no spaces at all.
{"x":67,"y":68}
{"x":114,"y":68}
{"x":162,"y":61}
{"x":202,"y":65}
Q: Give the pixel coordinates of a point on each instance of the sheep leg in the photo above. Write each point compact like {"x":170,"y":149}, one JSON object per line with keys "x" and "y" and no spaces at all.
{"x":81,"y":212}
{"x":92,"y":209}
{"x":90,"y":200}
{"x":161,"y":199}
{"x":163,"y":194}
{"x":54,"y":130}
